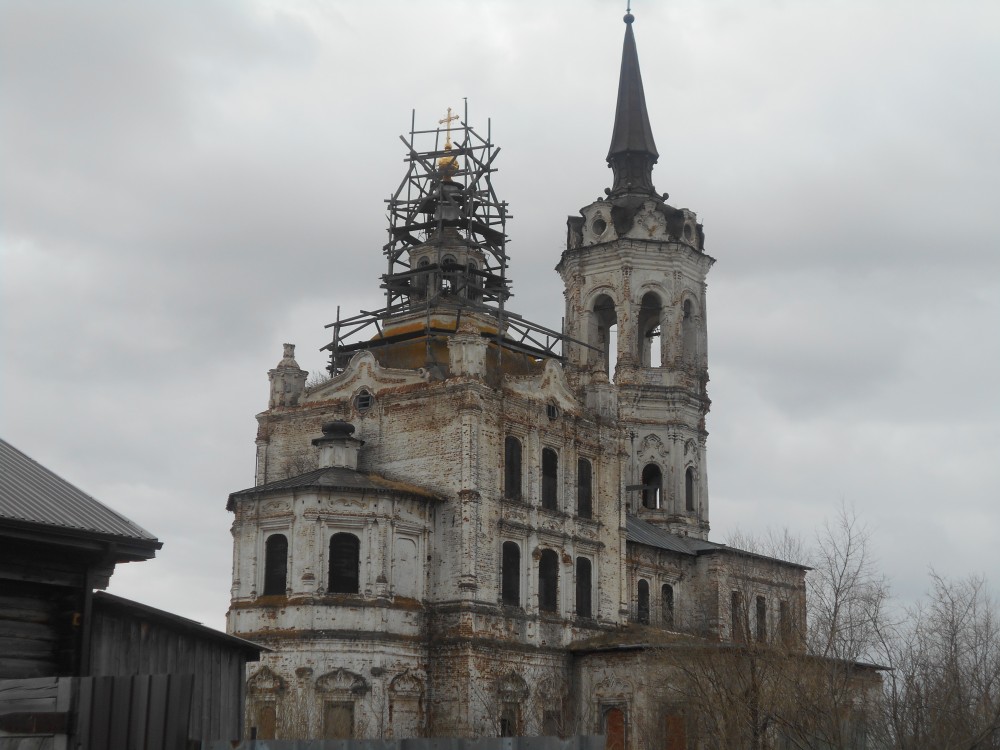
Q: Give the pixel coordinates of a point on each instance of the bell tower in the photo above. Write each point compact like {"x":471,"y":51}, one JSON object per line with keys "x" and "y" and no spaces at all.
{"x":634,"y":272}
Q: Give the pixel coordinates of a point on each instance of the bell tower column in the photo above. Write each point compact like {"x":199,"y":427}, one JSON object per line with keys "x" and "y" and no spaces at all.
{"x":634,"y":271}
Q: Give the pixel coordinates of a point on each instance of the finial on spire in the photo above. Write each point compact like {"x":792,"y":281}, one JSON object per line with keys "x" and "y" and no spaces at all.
{"x":447,"y":165}
{"x":633,"y":152}
{"x":629,"y":18}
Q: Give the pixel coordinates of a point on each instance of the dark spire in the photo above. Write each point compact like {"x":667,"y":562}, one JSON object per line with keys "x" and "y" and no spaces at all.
{"x":633,"y":152}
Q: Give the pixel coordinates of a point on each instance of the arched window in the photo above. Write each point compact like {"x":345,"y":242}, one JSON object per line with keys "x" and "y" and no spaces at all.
{"x":652,"y":487}
{"x":642,"y":605}
{"x":689,"y":489}
{"x":512,"y":468}
{"x":510,"y":574}
{"x":275,"y":564}
{"x":548,"y":581}
{"x":550,"y":479}
{"x":650,"y":311}
{"x":422,"y":282}
{"x":449,"y":266}
{"x":667,"y":604}
{"x":345,"y":564}
{"x":603,"y":334}
{"x":583,"y":584}
{"x":584,"y":489}
{"x":473,"y":281}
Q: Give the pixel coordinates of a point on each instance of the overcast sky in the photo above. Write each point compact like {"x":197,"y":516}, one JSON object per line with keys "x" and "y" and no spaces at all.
{"x":188,"y":185}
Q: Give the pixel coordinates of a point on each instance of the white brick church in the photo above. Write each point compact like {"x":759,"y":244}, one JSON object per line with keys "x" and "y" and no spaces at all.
{"x":481,"y":527}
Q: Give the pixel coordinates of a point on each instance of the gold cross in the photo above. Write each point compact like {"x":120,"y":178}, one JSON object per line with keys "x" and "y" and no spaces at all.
{"x":447,"y":121}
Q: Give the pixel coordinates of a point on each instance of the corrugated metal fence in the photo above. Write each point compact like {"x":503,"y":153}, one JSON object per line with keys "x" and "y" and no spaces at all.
{"x":491,"y":743}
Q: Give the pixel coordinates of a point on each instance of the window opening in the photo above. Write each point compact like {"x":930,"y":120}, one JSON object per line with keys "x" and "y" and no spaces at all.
{"x":345,"y":564}
{"x":603,"y":334}
{"x":650,"y":311}
{"x":510,"y":572}
{"x":550,"y":479}
{"x":450,"y":277}
{"x":667,"y":603}
{"x":785,"y":621}
{"x":739,"y":620}
{"x":364,"y":401}
{"x":510,"y":720}
{"x":338,"y":720}
{"x":584,"y":489}
{"x":512,"y":468}
{"x":551,"y":411}
{"x":642,"y":606}
{"x":275,"y":564}
{"x":689,"y":489}
{"x":761,"y":619}
{"x":614,"y":729}
{"x":583,"y":587}
{"x":548,"y":581}
{"x":652,"y":487}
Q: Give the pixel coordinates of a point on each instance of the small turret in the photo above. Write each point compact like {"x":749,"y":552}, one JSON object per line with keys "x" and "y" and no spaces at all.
{"x":337,"y":449}
{"x":288,"y":380}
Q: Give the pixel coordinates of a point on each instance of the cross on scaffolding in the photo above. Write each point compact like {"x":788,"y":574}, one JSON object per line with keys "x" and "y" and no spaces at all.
{"x":447,"y":121}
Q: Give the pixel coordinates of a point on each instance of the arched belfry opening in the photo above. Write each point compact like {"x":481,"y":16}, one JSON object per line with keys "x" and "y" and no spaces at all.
{"x":652,"y":487}
{"x":689,"y":331}
{"x":650,"y":314}
{"x":603,"y":334}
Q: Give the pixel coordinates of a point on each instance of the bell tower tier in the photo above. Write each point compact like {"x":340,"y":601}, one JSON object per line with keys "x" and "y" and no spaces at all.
{"x":634,"y":271}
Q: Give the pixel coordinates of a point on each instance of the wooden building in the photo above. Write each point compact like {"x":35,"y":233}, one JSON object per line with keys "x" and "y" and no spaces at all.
{"x":60,"y":635}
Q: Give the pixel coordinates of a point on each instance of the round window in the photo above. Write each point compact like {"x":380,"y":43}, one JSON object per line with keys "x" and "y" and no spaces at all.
{"x":599,"y":226}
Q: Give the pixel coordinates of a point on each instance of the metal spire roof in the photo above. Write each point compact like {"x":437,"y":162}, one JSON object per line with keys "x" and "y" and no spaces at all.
{"x":633,"y":151}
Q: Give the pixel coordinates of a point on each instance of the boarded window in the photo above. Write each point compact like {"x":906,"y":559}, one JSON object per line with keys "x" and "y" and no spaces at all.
{"x":266,"y":721}
{"x":739,"y":617}
{"x":642,"y":605}
{"x":614,"y":729}
{"x":584,"y":580}
{"x":652,"y":486}
{"x":667,"y":604}
{"x":761,"y":619}
{"x":345,"y":564}
{"x":674,"y":732}
{"x":548,"y":581}
{"x":689,"y":489}
{"x":512,"y":468}
{"x":510,"y":571}
{"x":550,"y":479}
{"x":338,"y":720}
{"x":275,"y":564}
{"x":584,"y":489}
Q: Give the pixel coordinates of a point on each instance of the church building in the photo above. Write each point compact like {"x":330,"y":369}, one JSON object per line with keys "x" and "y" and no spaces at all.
{"x":478,"y":526}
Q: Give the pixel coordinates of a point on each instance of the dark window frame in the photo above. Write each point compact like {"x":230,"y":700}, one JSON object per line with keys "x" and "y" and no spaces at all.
{"x":510,"y":574}
{"x":642,"y":601}
{"x":513,"y":468}
{"x":275,"y":571}
{"x":584,"y":488}
{"x":550,"y":479}
{"x":584,"y":588}
{"x":667,"y":606}
{"x":344,"y":569}
{"x":548,"y":581}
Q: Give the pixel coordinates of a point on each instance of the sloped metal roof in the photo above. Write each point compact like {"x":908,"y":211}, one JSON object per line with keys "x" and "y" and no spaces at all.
{"x":31,"y":494}
{"x":334,"y":478}
{"x":641,"y":532}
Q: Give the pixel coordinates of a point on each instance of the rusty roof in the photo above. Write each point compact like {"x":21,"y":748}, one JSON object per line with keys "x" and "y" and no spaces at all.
{"x":31,"y":495}
{"x":641,"y":532}
{"x":335,"y":478}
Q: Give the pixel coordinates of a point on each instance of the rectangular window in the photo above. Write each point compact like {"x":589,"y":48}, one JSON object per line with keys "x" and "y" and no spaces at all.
{"x":338,"y":721}
{"x":584,"y":489}
{"x":512,"y":468}
{"x":584,"y":581}
{"x":761,"y":619}
{"x":510,"y":575}
{"x":550,"y":479}
{"x":785,"y":621}
{"x":739,"y":620}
